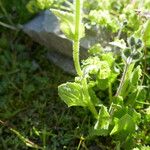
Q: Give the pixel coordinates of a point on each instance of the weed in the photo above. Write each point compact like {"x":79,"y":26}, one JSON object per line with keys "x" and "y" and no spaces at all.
{"x":110,"y":88}
{"x":120,"y":117}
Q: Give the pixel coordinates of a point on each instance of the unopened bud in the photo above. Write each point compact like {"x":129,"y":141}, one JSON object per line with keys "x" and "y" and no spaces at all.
{"x":131,"y":41}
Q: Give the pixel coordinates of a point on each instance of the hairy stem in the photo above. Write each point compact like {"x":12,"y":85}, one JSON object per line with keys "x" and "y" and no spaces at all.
{"x":122,"y":80}
{"x":110,"y":92}
{"x":76,"y":42}
{"x":86,"y":93}
{"x":76,"y":47}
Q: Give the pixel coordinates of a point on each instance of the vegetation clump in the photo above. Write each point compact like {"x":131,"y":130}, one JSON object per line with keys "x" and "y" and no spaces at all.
{"x":111,"y":87}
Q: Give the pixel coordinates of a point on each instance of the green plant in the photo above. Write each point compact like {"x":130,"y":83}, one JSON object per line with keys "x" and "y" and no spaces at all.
{"x":117,"y":115}
{"x":35,"y":6}
{"x":28,"y":83}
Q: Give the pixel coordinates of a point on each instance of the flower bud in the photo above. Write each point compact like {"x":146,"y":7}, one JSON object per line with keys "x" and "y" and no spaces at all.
{"x":125,"y":23}
{"x":136,"y":55}
{"x":131,"y":41}
{"x":127,"y":52}
{"x":138,"y":44}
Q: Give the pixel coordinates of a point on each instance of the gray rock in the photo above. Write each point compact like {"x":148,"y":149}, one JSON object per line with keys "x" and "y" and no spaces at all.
{"x":62,"y":61}
{"x":45,"y":30}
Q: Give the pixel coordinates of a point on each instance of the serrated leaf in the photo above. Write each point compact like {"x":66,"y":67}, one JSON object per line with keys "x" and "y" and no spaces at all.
{"x":98,"y":132}
{"x":104,"y":70}
{"x":102,"y":124}
{"x":91,"y":69}
{"x":93,"y":65}
{"x":124,"y":126}
{"x":137,"y":73}
{"x":71,"y":94}
{"x":63,"y":15}
{"x":95,"y":49}
{"x":68,"y":29}
{"x":67,"y":24}
{"x":34,"y":6}
{"x":109,"y":58}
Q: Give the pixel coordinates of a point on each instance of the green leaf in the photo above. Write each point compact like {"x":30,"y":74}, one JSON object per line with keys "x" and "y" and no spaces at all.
{"x":113,"y":76}
{"x":103,"y":18}
{"x":34,"y":6}
{"x":63,"y":15}
{"x":137,"y":73}
{"x":126,"y":88}
{"x":119,"y":43}
{"x":141,"y":97}
{"x":67,"y":23}
{"x":104,"y":70}
{"x":71,"y":94}
{"x":95,"y":100}
{"x":118,"y":101}
{"x":102,"y":124}
{"x":68,"y":29}
{"x":131,"y":98}
{"x":124,"y":126}
{"x":108,"y":57}
{"x":103,"y":84}
{"x":93,"y":65}
{"x":130,"y":69}
{"x":95,"y":49}
{"x":135,"y":115}
{"x":146,"y":34}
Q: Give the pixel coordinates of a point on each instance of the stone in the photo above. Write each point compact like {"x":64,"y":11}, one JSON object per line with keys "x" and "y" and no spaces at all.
{"x":45,"y":29}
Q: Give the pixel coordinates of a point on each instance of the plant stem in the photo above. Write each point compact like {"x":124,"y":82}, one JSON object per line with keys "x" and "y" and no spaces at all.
{"x":122,"y":80}
{"x":120,"y":31}
{"x":81,"y":140}
{"x":144,"y":64}
{"x":76,"y":47}
{"x":8,"y":26}
{"x":76,"y":42}
{"x":127,"y":64}
{"x":88,"y":98}
{"x":110,"y":92}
